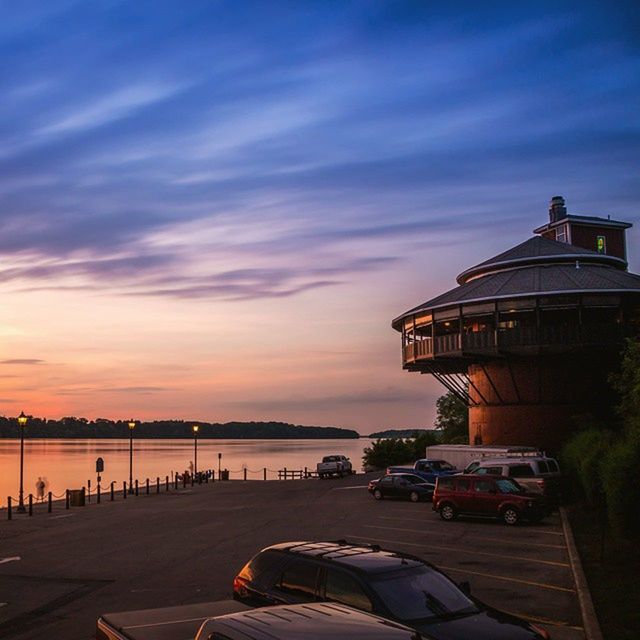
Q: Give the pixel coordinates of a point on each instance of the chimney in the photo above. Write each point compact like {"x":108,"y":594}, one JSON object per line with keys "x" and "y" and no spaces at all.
{"x":557,"y":210}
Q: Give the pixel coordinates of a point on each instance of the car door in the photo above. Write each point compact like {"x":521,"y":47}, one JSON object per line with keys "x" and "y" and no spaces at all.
{"x":385,"y":484}
{"x":463,"y":495}
{"x":298,"y":582}
{"x":483,"y":502}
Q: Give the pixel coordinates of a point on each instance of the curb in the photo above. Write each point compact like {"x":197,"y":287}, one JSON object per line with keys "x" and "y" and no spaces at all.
{"x":589,"y":619}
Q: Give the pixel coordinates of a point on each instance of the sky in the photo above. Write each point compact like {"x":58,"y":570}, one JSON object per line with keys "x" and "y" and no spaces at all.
{"x":213,"y":210}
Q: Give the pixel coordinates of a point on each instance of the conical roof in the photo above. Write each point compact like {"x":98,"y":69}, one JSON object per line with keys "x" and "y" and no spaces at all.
{"x":538,"y":250}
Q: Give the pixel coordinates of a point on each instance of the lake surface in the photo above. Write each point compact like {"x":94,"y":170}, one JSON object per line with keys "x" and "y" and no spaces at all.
{"x":69,"y":464}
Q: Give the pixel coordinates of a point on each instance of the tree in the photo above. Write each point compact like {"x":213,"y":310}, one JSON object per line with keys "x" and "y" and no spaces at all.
{"x":452,"y":419}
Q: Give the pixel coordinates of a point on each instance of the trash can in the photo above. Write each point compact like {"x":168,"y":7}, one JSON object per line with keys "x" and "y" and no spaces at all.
{"x":224,"y":474}
{"x":76,"y":497}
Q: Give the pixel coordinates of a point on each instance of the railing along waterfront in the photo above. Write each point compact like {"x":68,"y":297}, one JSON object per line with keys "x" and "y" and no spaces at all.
{"x":114,"y":491}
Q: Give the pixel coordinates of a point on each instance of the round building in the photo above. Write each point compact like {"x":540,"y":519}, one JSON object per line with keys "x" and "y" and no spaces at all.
{"x":529,"y":336}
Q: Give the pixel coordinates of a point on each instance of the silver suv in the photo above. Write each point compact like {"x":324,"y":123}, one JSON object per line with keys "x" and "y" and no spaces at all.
{"x":535,"y":474}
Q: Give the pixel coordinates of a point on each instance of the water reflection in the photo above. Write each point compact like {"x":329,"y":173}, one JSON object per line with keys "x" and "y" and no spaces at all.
{"x":68,"y":464}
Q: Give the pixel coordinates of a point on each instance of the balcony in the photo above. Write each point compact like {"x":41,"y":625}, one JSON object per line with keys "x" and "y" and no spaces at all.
{"x":518,"y":340}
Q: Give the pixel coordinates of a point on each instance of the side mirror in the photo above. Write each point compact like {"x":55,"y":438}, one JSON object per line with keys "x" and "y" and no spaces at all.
{"x":465,"y":587}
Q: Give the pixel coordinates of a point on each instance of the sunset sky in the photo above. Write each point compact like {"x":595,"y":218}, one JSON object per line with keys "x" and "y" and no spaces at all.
{"x":213,"y":210}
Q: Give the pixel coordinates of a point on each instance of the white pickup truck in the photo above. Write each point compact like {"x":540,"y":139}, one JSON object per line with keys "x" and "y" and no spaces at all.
{"x":334,"y":466}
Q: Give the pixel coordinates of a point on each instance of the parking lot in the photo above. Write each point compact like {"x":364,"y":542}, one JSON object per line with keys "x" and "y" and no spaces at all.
{"x":523,"y":570}
{"x":186,"y":547}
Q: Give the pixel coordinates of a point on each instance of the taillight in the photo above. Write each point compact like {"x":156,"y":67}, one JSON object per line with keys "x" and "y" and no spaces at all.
{"x":542,"y":632}
{"x":239,"y":584}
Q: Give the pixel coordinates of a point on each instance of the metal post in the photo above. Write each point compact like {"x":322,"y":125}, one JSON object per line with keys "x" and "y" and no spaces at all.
{"x":9,"y":513}
{"x":124,"y":490}
{"x":195,"y":451}
{"x":245,"y":473}
{"x":147,"y":486}
{"x":136,"y":483}
{"x":285,"y":473}
{"x":157,"y":484}
{"x":50,"y":502}
{"x":66,"y":499}
{"x":31,"y":504}
{"x":219,"y":461}
{"x":98,"y":493}
{"x":184,"y":480}
{"x":264,"y":473}
{"x":191,"y":478}
{"x":112,"y":496}
{"x":21,"y":508}
{"x":130,"y":460}
{"x":175,"y":478}
{"x":89,"y":492}
{"x":166,"y":481}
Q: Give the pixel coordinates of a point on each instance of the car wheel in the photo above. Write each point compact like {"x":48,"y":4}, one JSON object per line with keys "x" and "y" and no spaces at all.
{"x":447,"y":512}
{"x":377,"y":494}
{"x":511,"y":516}
{"x":414,"y":496}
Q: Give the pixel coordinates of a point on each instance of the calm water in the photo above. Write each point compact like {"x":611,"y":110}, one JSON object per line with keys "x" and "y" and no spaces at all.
{"x":68,"y":464}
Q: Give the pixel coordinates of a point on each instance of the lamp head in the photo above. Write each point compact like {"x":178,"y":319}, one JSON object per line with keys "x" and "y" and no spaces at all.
{"x":196,"y":428}
{"x":22,"y":419}
{"x":132,"y":424}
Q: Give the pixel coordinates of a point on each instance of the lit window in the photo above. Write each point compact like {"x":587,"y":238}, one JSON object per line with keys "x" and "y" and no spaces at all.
{"x":561,"y":234}
{"x":601,"y":244}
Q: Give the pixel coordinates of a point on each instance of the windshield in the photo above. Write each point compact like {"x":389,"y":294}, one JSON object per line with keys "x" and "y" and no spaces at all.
{"x":422,"y":593}
{"x":441,"y":465}
{"x":508,"y":486}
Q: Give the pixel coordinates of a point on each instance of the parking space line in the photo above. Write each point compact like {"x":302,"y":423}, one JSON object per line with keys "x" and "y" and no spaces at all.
{"x":500,"y":540}
{"x":549,"y":621}
{"x":551,"y":533}
{"x":542,"y":585}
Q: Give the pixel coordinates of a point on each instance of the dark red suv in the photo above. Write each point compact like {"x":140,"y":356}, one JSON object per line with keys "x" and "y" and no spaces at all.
{"x":487,"y":495}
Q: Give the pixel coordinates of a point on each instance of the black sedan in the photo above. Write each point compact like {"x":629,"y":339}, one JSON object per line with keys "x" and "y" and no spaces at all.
{"x":401,"y":485}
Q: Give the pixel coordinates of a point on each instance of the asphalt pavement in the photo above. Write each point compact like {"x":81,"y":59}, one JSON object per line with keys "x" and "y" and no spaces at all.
{"x":60,"y":571}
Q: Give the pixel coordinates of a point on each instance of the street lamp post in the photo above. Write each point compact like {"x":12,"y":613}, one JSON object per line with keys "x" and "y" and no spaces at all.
{"x":195,"y":448}
{"x":22,"y":422}
{"x":132,"y":426}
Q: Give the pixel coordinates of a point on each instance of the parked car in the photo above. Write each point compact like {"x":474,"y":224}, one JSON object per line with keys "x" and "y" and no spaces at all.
{"x":166,"y":623}
{"x":537,"y":474}
{"x":401,"y":485}
{"x":315,"y":621}
{"x":390,"y":584}
{"x":427,"y":469}
{"x":484,"y":495}
{"x":336,"y":465}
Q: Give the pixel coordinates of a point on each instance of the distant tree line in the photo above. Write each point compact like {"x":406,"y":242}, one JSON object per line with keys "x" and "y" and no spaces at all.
{"x":72,"y":427}
{"x":396,"y":433}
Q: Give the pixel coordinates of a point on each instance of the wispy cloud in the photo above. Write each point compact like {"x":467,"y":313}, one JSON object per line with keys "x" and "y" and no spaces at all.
{"x":23,"y":361}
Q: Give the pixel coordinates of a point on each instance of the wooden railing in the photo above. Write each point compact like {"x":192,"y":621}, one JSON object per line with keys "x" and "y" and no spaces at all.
{"x":485,"y":341}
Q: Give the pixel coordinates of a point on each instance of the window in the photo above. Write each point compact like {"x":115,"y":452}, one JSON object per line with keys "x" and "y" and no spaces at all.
{"x":543,"y":467}
{"x":601,"y":244}
{"x":483,"y":486}
{"x":387,"y":481}
{"x":561,"y":234}
{"x":346,"y":590}
{"x":300,"y":579}
{"x":463,"y":484}
{"x":553,"y":466}
{"x":442,"y":465}
{"x":508,"y":486}
{"x":260,"y":564}
{"x":521,"y":471}
{"x":445,"y":483}
{"x":422,"y":593}
{"x":492,"y":471}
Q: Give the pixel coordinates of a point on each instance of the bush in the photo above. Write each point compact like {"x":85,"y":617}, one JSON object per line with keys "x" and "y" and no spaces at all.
{"x":583,"y":457}
{"x":621,"y":487}
{"x":390,"y":451}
